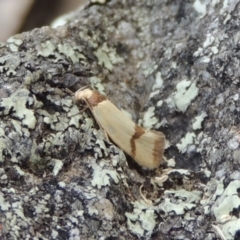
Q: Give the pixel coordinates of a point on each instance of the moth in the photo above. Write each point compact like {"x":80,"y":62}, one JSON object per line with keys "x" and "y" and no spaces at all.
{"x":146,"y":147}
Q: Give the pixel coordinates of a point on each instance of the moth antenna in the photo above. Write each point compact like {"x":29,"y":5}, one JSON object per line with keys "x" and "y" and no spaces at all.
{"x":68,"y":91}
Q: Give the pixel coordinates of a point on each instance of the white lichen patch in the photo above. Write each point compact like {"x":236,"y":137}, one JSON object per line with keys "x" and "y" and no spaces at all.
{"x":152,"y":94}
{"x":149,"y":119}
{"x":185,"y":196}
{"x":96,"y":83}
{"x":57,"y":166}
{"x":159,"y":103}
{"x":15,"y":105}
{"x":158,"y":81}
{"x":19,"y":171}
{"x":185,"y":142}
{"x":50,"y":119}
{"x":205,"y":59}
{"x":4,"y":205}
{"x":102,"y":177}
{"x":198,"y":53}
{"x":186,"y":92}
{"x":209,"y":40}
{"x":15,"y":41}
{"x":230,"y":228}
{"x":5,"y":144}
{"x":228,"y":201}
{"x":214,"y":50}
{"x":58,"y":122}
{"x":46,"y":49}
{"x":62,"y":124}
{"x":233,"y":143}
{"x":179,"y":208}
{"x":8,"y":64}
{"x":100,"y":143}
{"x":148,"y":68}
{"x":70,"y":53}
{"x":107,"y":56}
{"x":87,"y":124}
{"x":75,"y":116}
{"x":142,"y":220}
{"x":200,"y":7}
{"x":56,"y":139}
{"x":198,"y":121}
{"x":98,"y":1}
{"x":41,"y":208}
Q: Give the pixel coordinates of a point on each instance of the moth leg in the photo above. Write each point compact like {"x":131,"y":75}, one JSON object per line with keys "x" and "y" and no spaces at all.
{"x":84,"y":109}
{"x":69,"y":91}
{"x":147,"y":201}
{"x":105,"y":133}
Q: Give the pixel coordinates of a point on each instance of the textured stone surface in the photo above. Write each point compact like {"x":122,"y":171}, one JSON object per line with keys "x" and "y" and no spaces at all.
{"x":174,"y":65}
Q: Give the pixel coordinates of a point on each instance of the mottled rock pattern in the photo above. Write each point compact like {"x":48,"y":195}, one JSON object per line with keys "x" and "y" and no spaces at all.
{"x":172,"y":64}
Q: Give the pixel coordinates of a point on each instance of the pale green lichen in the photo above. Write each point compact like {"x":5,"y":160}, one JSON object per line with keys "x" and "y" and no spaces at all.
{"x":69,"y":51}
{"x":31,"y":77}
{"x":4,"y":142}
{"x":101,"y":177}
{"x":226,"y":207}
{"x":177,"y":208}
{"x":186,"y":196}
{"x":57,"y":166}
{"x":107,"y":57}
{"x":19,"y":170}
{"x":96,"y":83}
{"x":228,"y":201}
{"x":200,"y":7}
{"x":149,"y":120}
{"x":198,"y":121}
{"x":4,"y":205}
{"x":148,"y":68}
{"x":152,"y":94}
{"x":186,"y":92}
{"x":98,"y":1}
{"x":185,"y":141}
{"x":46,"y":49}
{"x":9,"y":64}
{"x":87,"y":124}
{"x":158,"y":81}
{"x":231,"y":228}
{"x":100,"y":142}
{"x":16,"y":106}
{"x":209,"y":40}
{"x":14,"y":43}
{"x":62,"y":124}
{"x":56,"y":139}
{"x":159,"y":103}
{"x":142,"y":220}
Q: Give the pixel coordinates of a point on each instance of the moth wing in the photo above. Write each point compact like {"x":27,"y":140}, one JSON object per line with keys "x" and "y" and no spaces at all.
{"x":116,"y":124}
{"x":150,"y":148}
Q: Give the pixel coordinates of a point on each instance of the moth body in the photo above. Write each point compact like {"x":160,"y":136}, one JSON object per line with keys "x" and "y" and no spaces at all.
{"x":146,"y":147}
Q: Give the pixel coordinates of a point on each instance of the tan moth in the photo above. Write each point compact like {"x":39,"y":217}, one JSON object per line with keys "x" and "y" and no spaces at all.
{"x":146,"y":147}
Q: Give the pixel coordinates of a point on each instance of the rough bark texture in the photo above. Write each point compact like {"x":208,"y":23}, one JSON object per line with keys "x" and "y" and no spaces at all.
{"x":172,"y":64}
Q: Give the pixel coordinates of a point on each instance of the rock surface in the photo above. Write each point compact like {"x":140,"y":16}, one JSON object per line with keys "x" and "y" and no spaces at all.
{"x":174,"y":65}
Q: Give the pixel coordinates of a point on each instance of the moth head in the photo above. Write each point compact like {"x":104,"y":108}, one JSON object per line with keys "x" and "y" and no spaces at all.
{"x":83,"y":94}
